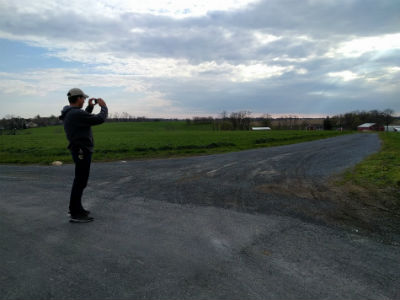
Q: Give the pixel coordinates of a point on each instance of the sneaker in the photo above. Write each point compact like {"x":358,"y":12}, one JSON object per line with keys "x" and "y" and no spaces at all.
{"x":81,"y":219}
{"x":84,"y":212}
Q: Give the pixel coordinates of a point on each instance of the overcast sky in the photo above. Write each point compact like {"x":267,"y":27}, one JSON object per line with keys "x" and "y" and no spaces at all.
{"x":184,"y":58}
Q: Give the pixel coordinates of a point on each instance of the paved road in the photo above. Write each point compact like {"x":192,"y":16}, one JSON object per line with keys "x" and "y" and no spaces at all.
{"x":243,"y":225}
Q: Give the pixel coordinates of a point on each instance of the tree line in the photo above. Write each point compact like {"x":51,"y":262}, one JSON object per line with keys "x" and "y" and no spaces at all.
{"x":11,"y":123}
{"x":241,"y":120}
{"x":350,"y":121}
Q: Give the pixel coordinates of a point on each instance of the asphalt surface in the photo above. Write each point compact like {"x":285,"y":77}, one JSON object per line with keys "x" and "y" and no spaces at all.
{"x":241,"y":225}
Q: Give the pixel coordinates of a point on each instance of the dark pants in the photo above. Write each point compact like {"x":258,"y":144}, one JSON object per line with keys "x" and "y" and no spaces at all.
{"x":82,"y":169}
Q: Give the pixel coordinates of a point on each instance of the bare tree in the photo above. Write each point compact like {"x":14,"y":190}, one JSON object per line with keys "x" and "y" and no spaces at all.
{"x":266,"y":120}
{"x":240,"y":120}
{"x":387,"y":116}
{"x":224,"y":115}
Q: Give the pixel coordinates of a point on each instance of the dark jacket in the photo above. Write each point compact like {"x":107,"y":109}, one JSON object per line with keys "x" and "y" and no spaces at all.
{"x":77,"y":126}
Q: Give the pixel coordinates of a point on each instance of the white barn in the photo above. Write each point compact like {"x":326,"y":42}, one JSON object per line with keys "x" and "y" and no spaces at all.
{"x":260,"y":128}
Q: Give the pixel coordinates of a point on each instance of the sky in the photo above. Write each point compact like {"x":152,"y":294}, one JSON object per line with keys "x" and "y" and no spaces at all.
{"x":187,"y":58}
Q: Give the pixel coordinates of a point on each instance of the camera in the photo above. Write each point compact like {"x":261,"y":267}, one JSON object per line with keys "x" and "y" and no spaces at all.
{"x":95,"y":101}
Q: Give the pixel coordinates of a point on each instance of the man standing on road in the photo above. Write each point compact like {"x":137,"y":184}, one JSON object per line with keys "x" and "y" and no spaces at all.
{"x":77,"y":126}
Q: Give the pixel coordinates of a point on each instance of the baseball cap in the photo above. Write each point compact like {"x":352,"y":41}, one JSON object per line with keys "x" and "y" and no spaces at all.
{"x":76,"y":92}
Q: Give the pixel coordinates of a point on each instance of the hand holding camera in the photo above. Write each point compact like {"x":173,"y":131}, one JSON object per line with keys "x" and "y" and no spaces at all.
{"x":99,"y":101}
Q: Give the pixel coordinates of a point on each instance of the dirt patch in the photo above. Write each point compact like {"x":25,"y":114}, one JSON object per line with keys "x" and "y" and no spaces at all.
{"x":379,"y":209}
{"x":362,"y":209}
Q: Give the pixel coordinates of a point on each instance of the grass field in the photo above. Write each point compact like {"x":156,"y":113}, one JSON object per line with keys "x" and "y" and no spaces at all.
{"x":369,"y":194}
{"x":375,"y":182}
{"x":115,"y":141}
{"x":380,"y":170}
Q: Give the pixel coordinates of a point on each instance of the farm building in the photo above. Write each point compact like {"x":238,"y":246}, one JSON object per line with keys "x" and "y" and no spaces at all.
{"x":313,"y":127}
{"x":261,"y":128}
{"x":392,"y":128}
{"x":31,"y":125}
{"x":370,"y":127}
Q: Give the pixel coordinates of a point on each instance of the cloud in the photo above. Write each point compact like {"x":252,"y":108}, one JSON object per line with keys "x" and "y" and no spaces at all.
{"x":43,"y":82}
{"x":344,"y":75}
{"x":208,"y":56}
{"x":360,"y":46}
{"x":319,"y":18}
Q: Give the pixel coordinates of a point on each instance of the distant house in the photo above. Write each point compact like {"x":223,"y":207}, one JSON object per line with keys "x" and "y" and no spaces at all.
{"x":31,"y":125}
{"x":311,"y":127}
{"x":370,"y":127}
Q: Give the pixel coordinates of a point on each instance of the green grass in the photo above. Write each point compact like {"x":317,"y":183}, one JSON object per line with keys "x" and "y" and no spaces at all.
{"x":380,"y":170}
{"x":114,"y":141}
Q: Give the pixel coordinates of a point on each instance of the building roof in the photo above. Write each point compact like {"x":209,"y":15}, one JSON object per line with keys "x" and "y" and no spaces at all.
{"x":261,"y":128}
{"x":366,"y":125}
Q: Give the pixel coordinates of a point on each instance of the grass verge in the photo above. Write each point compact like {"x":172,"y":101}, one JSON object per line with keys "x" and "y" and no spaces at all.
{"x":378,"y":176}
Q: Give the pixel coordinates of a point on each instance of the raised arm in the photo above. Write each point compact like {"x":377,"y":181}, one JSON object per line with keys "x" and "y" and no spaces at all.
{"x":86,"y":118}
